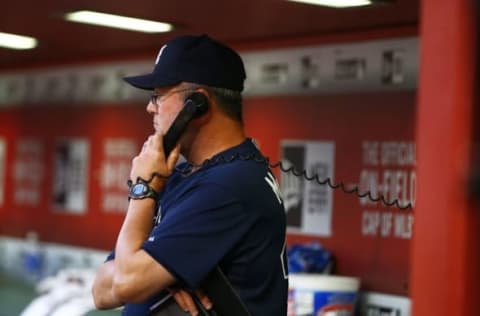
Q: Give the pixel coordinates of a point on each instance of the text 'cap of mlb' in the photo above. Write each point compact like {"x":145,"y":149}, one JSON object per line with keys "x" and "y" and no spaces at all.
{"x":196,"y":59}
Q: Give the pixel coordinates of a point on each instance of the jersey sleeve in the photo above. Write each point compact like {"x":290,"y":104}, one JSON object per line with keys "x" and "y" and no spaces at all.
{"x":197,"y":232}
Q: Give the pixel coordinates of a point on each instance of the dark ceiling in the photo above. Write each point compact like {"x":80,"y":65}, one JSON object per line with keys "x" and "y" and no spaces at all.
{"x":228,"y":20}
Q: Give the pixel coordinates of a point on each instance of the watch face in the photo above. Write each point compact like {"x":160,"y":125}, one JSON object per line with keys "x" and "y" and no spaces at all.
{"x":139,"y":189}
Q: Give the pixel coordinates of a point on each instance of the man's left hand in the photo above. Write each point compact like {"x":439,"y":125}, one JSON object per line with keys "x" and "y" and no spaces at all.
{"x":186,"y":302}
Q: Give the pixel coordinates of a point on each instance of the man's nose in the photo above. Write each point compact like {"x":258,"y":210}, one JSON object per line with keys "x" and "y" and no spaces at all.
{"x":151,"y":108}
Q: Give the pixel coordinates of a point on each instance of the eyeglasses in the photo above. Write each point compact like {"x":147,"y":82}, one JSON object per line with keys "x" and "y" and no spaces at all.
{"x":157,"y":99}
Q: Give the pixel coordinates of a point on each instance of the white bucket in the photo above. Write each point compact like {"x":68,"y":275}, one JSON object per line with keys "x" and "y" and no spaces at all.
{"x":323,"y":295}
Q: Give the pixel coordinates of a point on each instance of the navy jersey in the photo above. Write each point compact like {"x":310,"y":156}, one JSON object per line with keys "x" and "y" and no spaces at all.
{"x":227,"y":213}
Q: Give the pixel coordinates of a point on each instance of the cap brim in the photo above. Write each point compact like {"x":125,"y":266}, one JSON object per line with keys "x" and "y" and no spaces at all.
{"x":145,"y":82}
{"x":150,"y":82}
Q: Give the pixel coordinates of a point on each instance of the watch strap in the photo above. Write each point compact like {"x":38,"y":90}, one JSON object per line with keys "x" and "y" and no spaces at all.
{"x":141,"y":190}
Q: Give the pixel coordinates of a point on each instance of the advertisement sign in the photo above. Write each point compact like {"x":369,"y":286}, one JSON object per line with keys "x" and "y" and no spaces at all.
{"x":28,"y":171}
{"x":388,"y":172}
{"x":69,"y":193}
{"x":115,"y":171}
{"x":308,"y":204}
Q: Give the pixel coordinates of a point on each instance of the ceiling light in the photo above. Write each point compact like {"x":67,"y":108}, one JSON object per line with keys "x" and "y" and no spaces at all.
{"x":337,"y":3}
{"x":14,"y":41}
{"x":118,"y":21}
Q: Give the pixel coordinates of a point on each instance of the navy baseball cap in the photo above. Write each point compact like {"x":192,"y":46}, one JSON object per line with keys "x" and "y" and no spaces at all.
{"x":196,"y":59}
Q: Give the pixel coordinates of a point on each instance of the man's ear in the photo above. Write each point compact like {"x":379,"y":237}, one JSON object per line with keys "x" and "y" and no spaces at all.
{"x":199,"y":101}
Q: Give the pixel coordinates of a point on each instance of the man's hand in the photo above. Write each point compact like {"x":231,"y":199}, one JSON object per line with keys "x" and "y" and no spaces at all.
{"x":186,"y":302}
{"x":151,"y":159}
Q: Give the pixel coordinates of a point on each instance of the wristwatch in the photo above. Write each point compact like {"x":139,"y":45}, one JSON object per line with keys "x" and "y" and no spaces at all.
{"x":141,"y":190}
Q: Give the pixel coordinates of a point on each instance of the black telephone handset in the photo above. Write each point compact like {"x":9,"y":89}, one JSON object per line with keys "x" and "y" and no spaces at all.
{"x":196,"y":104}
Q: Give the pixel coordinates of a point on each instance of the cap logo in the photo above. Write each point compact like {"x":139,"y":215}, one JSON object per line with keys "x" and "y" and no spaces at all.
{"x":160,"y":54}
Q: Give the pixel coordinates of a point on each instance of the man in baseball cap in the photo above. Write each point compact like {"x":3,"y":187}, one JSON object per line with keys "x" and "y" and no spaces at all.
{"x":221,"y":208}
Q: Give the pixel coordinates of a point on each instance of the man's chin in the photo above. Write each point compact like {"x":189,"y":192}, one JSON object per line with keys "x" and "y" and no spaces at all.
{"x":158,"y":131}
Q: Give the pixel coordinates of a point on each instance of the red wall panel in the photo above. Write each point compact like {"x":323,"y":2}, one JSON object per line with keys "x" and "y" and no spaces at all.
{"x":48,"y":124}
{"x":382,"y":263}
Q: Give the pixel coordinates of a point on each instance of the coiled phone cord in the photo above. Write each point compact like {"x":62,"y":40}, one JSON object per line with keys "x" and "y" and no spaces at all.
{"x":301,"y":174}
